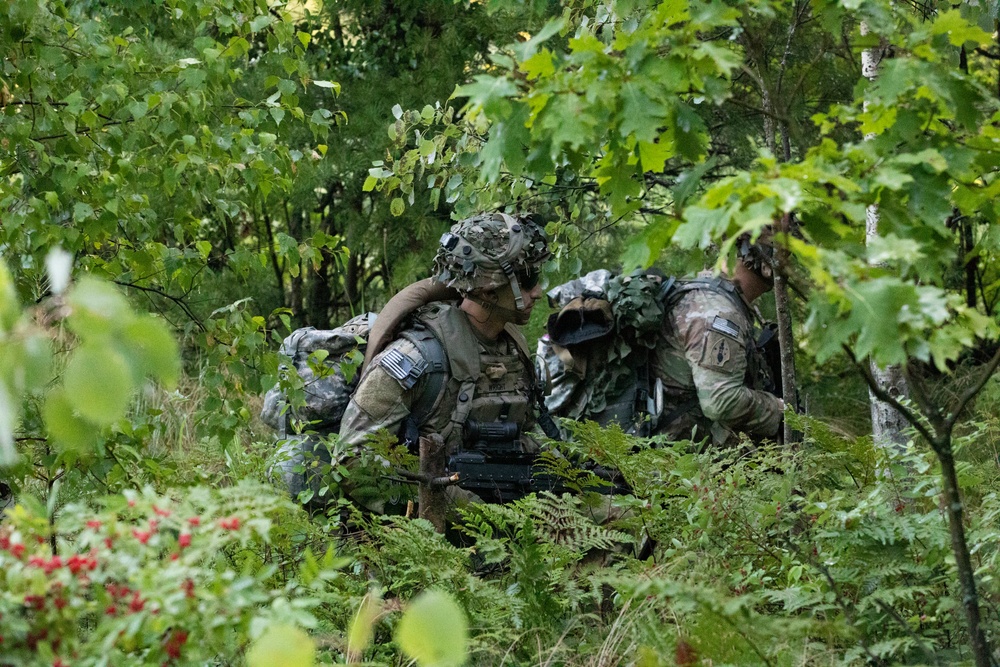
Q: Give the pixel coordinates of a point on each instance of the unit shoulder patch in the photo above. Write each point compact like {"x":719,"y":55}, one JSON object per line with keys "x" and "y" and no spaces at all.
{"x":720,"y":351}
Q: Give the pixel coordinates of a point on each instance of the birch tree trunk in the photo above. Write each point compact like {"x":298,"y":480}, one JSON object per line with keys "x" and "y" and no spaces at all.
{"x":888,"y":425}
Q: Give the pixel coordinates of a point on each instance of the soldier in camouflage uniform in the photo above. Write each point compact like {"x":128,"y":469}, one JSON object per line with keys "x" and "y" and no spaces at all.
{"x":494,"y":262}
{"x":707,"y":359}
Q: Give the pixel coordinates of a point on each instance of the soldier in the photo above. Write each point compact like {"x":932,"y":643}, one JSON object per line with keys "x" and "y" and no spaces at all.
{"x":461,"y":367}
{"x":681,"y":360}
{"x":707,"y":359}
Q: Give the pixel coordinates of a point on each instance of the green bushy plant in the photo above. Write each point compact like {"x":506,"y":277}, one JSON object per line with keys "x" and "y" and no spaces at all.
{"x":145,"y":579}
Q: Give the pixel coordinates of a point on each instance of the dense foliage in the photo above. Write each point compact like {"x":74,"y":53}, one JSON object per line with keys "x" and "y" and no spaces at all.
{"x":184,"y":181}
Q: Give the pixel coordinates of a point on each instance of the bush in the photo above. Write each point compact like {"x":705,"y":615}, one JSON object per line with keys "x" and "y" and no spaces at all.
{"x":147,"y":579}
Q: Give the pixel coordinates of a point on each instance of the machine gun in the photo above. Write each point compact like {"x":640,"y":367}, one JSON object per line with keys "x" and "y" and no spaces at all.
{"x":492,"y":465}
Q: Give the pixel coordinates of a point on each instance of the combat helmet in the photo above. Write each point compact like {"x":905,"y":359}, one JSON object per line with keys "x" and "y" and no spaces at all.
{"x":758,"y":256}
{"x":491,"y":250}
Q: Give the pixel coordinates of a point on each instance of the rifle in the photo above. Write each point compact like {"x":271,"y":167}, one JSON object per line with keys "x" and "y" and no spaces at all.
{"x":769,"y":352}
{"x":492,"y":465}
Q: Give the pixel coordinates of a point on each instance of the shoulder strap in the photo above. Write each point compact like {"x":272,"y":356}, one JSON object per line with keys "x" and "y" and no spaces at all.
{"x":545,"y":421}
{"x":716,"y":284}
{"x":432,"y":351}
{"x":401,"y":306}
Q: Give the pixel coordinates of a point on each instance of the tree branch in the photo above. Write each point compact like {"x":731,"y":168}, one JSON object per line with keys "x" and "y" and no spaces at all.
{"x":180,"y":303}
{"x":971,"y":392}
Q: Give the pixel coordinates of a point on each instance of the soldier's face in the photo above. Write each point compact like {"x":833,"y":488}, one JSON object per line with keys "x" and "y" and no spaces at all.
{"x":505,"y":299}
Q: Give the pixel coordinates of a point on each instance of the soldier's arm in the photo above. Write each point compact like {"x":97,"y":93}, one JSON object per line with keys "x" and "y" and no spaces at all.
{"x":715,"y":351}
{"x":382,"y":400}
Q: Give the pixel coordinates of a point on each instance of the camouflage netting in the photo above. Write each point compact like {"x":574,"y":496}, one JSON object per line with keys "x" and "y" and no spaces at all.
{"x":482,"y":252}
{"x":637,"y":308}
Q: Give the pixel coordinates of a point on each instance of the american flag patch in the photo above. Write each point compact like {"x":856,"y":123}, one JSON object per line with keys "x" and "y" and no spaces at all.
{"x":723,"y":325}
{"x":402,"y":368}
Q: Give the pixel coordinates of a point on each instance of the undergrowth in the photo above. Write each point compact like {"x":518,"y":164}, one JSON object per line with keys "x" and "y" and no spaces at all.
{"x":829,"y":554}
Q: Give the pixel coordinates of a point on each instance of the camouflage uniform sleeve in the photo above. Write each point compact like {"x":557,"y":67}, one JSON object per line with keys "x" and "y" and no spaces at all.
{"x":714,"y":335}
{"x":381,"y":401}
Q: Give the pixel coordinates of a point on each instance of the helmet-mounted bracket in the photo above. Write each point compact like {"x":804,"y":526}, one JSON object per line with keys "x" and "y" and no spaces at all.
{"x":514,"y":285}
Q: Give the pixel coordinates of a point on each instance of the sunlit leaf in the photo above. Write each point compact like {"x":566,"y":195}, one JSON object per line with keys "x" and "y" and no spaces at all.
{"x":434,"y":631}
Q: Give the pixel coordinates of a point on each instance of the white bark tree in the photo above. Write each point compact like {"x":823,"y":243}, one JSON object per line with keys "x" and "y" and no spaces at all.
{"x":888,"y":424}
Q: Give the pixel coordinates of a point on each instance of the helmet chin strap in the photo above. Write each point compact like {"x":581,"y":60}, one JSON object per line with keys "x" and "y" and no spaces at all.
{"x":514,"y":285}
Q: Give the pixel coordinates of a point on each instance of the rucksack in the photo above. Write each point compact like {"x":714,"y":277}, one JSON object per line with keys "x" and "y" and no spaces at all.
{"x":327,"y":365}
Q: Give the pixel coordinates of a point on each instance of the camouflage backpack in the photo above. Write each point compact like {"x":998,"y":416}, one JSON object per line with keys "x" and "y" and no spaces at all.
{"x":327,"y":364}
{"x":594,"y":359}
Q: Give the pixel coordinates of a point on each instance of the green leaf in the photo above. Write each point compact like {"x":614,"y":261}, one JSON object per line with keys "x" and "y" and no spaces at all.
{"x":369,"y":184}
{"x":82,"y":211}
{"x":282,"y":645}
{"x":98,"y":383}
{"x":65,"y":426}
{"x":362,"y":629}
{"x":261,"y":22}
{"x":434,"y":631}
{"x":397,"y":206}
{"x":526,"y":50}
{"x":539,"y":65}
{"x":485,"y":90}
{"x":641,"y":116}
{"x":8,"y":421}
{"x":153,"y":348}
{"x":958,"y":30}
{"x":304,"y":37}
{"x":329,"y":84}
{"x":10,"y":306}
{"x":97,"y":308}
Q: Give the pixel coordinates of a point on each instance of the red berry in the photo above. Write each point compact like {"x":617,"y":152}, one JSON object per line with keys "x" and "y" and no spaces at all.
{"x":175,"y":642}
{"x":36,"y":602}
{"x":141,"y":535}
{"x":131,"y":503}
{"x":94,"y":523}
{"x":17,"y":550}
{"x":195,"y":521}
{"x":160,"y":511}
{"x":108,"y":542}
{"x":184,"y":540}
{"x":110,"y":610}
{"x":137,"y":603}
{"x":229,"y":523}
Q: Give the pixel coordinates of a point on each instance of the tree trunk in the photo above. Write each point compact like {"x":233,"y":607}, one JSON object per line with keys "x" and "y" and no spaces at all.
{"x":966,"y":575}
{"x":786,"y":340}
{"x":887,"y":423}
{"x":433,"y":497}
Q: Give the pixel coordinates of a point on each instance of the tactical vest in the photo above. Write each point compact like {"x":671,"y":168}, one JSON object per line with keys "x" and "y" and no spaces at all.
{"x":488,"y":386}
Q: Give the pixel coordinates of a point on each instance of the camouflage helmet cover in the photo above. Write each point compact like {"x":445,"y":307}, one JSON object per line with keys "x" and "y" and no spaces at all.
{"x":487,"y":251}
